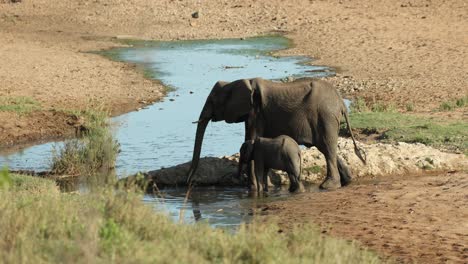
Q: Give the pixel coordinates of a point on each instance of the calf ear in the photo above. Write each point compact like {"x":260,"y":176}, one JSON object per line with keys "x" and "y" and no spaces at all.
{"x":239,"y":101}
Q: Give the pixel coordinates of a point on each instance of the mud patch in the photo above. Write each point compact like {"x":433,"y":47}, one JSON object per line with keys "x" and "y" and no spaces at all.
{"x":416,"y":219}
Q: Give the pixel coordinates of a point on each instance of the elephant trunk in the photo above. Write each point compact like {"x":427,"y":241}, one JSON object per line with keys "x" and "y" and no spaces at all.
{"x":205,"y":117}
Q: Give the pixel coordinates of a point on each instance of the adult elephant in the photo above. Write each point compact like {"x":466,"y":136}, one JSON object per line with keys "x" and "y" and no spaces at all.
{"x":308,"y":110}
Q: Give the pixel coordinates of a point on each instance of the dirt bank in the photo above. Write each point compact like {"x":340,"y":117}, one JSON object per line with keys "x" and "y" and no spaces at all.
{"x":382,"y":160}
{"x":398,"y":51}
{"x":418,"y":219}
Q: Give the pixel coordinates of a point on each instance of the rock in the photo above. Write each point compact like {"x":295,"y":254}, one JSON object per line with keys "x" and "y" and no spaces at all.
{"x":196,"y":14}
{"x":211,"y":171}
{"x":382,"y":160}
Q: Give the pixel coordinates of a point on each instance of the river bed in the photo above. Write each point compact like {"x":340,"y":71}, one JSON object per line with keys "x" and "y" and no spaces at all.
{"x":162,"y":135}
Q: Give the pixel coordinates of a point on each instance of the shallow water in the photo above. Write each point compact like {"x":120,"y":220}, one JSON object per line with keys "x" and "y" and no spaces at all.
{"x":162,"y":135}
{"x":219,"y":207}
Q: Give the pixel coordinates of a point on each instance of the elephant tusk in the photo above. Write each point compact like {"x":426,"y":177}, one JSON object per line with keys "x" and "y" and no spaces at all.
{"x":196,"y":122}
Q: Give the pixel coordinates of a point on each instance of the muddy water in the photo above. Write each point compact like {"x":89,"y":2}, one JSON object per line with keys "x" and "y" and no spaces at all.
{"x":162,"y":135}
{"x":218,"y":206}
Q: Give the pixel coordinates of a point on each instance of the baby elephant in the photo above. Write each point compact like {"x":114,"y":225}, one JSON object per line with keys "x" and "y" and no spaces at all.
{"x":280,"y":153}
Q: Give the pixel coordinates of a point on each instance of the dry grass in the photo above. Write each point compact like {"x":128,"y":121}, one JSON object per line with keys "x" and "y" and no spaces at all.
{"x":46,"y":226}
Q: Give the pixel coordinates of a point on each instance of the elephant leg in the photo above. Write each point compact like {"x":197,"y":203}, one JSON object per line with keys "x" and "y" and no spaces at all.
{"x":345,"y":173}
{"x":265,"y":179}
{"x":293,"y":182}
{"x":294,"y":174}
{"x":259,"y":170}
{"x":329,"y":149}
{"x":251,"y":176}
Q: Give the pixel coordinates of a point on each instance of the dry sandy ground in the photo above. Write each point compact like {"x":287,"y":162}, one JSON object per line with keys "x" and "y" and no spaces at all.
{"x":408,"y":51}
{"x":419,"y":219}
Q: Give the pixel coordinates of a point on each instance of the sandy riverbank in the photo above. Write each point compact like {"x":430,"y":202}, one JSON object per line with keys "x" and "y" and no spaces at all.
{"x":396,"y":51}
{"x":417,"y":219}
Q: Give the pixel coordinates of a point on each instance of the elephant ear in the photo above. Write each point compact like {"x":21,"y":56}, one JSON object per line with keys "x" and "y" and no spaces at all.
{"x":239,"y":101}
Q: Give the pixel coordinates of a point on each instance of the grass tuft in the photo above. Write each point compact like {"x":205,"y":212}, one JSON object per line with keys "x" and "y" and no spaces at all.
{"x":18,"y":104}
{"x":409,"y":107}
{"x":447,"y":106}
{"x":453,"y":104}
{"x":95,"y":152}
{"x":359,"y":105}
{"x":462,"y":102}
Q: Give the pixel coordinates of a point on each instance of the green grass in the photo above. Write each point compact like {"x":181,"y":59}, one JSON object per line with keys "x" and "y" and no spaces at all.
{"x":414,"y":129}
{"x":94,"y":152}
{"x":462,"y":102}
{"x":453,"y":104}
{"x":114,"y":226}
{"x":360,"y":105}
{"x":313,"y":169}
{"x":447,"y":106}
{"x":409,"y":107}
{"x":18,"y":104}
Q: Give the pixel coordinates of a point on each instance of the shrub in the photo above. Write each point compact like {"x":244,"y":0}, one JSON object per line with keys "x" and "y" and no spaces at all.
{"x":95,"y":152}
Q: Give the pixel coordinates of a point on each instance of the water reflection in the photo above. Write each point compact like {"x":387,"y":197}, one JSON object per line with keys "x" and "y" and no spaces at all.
{"x":219,"y":207}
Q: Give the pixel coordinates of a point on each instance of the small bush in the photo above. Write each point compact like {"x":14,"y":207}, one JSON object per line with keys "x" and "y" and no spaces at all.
{"x":409,"y":107}
{"x":462,"y":102}
{"x":96,"y":151}
{"x":447,"y":106}
{"x":359,"y":105}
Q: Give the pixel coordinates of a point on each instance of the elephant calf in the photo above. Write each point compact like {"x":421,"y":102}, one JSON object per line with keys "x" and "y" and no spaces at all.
{"x":280,"y":153}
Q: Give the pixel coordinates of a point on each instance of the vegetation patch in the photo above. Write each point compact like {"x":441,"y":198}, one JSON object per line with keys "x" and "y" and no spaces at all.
{"x":316,"y":169}
{"x":114,"y":226}
{"x":413,"y":129}
{"x":19,"y":104}
{"x":454,"y":104}
{"x":94,"y":152}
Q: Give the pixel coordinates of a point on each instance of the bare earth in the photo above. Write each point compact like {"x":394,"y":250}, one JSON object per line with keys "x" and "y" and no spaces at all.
{"x":400,"y":52}
{"x":419,"y":219}
{"x":397,"y":51}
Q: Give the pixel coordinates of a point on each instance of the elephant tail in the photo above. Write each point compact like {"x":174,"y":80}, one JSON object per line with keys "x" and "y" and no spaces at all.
{"x":300,"y":165}
{"x":359,"y":152}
